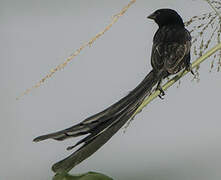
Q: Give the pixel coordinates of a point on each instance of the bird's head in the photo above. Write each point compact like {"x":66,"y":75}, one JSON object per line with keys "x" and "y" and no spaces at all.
{"x":166,"y":17}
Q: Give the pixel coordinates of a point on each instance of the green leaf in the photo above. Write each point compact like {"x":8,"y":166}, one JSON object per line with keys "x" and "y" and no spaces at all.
{"x":87,"y":176}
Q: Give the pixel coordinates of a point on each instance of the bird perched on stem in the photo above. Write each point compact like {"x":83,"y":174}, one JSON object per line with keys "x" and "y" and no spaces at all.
{"x":170,"y":54}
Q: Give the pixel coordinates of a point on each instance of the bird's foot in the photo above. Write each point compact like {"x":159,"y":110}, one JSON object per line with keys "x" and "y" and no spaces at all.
{"x":162,"y":93}
{"x":189,"y":68}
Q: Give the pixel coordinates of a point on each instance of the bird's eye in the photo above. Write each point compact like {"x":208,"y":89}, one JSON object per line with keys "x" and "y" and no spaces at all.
{"x":157,"y":12}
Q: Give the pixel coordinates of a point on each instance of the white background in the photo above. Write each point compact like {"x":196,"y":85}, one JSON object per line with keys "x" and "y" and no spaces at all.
{"x":177,"y":138}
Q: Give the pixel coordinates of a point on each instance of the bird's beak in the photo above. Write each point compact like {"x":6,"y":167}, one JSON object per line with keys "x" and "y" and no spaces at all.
{"x":152,"y":16}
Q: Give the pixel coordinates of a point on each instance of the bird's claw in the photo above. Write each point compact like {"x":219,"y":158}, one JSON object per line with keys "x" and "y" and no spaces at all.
{"x":162,"y":93}
{"x":189,"y":68}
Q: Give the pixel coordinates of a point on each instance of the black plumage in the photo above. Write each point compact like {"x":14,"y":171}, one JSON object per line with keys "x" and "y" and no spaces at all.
{"x":170,"y":54}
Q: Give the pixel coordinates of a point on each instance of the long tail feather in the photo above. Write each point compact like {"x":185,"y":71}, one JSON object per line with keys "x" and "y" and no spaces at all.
{"x":101,"y":126}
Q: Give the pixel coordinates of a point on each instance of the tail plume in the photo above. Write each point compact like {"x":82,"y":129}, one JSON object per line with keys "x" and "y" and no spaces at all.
{"x":101,"y":126}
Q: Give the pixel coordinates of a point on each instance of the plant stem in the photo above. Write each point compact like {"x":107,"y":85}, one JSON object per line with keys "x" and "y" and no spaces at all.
{"x":177,"y":77}
{"x":78,"y":51}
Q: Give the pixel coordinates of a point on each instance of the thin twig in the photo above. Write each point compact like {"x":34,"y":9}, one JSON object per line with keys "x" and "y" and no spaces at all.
{"x":77,"y":52}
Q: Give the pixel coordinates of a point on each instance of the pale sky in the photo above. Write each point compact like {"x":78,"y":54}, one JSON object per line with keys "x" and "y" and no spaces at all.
{"x":175,"y":138}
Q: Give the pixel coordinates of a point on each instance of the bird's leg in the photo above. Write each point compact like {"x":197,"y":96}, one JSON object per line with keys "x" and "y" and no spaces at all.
{"x":162,"y":93}
{"x":189,"y":68}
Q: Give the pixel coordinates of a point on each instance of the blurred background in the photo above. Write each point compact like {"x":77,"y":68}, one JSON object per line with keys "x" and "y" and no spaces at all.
{"x":175,"y":138}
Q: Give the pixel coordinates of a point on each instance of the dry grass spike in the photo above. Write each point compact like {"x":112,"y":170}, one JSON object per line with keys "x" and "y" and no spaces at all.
{"x":77,"y":52}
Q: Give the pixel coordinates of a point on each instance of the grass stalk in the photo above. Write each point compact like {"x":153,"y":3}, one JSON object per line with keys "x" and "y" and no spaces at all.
{"x":196,"y":63}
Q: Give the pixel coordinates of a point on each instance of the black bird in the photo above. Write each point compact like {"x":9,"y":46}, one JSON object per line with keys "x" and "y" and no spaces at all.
{"x":170,"y":54}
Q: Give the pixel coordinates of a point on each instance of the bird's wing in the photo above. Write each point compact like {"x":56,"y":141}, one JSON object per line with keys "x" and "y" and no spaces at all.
{"x":170,"y":56}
